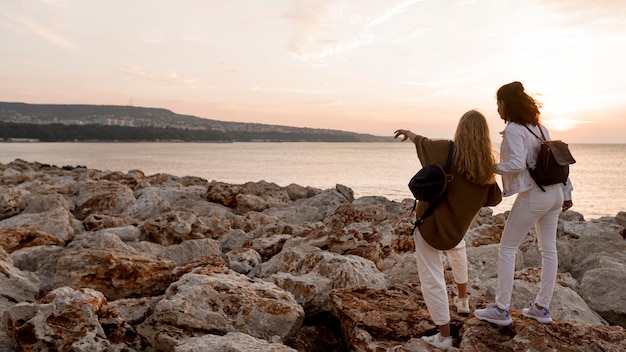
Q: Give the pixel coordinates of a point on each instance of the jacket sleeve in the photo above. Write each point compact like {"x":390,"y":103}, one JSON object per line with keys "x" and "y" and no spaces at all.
{"x":494,"y":197}
{"x":567,"y":190}
{"x":514,"y":148}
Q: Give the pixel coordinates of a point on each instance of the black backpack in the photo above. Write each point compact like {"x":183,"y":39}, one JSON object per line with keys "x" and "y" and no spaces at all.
{"x":552,"y":163}
{"x":430,"y":184}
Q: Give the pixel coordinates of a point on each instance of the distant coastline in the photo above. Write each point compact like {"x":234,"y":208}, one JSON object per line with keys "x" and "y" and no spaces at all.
{"x":20,"y":122}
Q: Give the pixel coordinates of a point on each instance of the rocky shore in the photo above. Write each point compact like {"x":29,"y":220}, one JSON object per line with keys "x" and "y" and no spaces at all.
{"x":95,"y":260}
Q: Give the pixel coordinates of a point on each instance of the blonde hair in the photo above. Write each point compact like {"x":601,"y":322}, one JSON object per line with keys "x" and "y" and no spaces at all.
{"x":473,"y":155}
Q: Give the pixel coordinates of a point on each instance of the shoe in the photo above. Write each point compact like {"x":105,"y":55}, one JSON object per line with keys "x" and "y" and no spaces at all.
{"x":494,"y":314}
{"x":541,"y":315}
{"x":462,"y":305}
{"x":439,"y":341}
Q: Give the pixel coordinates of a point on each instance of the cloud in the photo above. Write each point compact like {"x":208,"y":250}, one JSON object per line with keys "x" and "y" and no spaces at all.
{"x":396,"y":10}
{"x":152,"y":41}
{"x":170,"y":77}
{"x":597,"y":13}
{"x":323,"y":28}
{"x":22,"y":24}
{"x":56,"y":3}
{"x":228,"y":67}
{"x":291,"y":90}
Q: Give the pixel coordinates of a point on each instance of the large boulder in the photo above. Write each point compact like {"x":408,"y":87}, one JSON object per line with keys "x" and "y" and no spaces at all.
{"x":69,"y":320}
{"x":115,"y":273}
{"x":219,"y":303}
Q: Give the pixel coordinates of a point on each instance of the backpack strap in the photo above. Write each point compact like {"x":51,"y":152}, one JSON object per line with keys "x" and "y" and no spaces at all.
{"x":543,"y":139}
{"x":540,"y":141}
{"x":435,"y":202}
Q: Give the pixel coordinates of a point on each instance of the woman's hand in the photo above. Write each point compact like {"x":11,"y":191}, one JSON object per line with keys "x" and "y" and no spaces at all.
{"x":403,"y":133}
{"x":566,"y":205}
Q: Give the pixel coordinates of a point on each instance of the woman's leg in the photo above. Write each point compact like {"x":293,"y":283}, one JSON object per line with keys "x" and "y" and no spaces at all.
{"x":430,"y":270}
{"x":518,"y":223}
{"x":546,"y":228}
{"x":457,"y":257}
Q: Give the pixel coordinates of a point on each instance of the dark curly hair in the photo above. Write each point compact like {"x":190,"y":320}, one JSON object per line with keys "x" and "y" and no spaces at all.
{"x":518,"y":106}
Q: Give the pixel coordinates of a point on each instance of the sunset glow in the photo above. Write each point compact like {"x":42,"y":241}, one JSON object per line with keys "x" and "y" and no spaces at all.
{"x":365,"y":66}
{"x":563,"y":124}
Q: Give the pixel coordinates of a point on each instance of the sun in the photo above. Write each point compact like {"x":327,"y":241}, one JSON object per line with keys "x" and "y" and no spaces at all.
{"x":562,"y":124}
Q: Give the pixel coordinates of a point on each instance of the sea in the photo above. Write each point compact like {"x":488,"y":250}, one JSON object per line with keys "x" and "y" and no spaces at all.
{"x":369,"y":169}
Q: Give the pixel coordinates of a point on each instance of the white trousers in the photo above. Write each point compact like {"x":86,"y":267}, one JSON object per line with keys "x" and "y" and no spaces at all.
{"x":541,"y":209}
{"x":431,"y":275}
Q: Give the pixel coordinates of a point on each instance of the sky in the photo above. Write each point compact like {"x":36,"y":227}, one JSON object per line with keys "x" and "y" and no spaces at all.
{"x":366,"y":66}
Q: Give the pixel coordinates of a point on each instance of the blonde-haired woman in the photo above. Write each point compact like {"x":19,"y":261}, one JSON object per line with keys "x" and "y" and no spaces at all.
{"x":472,"y":187}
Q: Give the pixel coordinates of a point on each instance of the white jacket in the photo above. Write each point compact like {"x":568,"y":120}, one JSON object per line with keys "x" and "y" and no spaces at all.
{"x":519,"y":151}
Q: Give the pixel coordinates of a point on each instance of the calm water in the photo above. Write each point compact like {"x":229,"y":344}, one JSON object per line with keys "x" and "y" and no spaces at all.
{"x":381,"y":169}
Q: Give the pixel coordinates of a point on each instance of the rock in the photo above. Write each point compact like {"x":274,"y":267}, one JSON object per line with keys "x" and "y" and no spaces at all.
{"x":601,"y":289}
{"x":41,"y":260}
{"x":149,"y":204}
{"x":311,"y":273}
{"x":311,"y":209}
{"x":346,"y":192}
{"x":400,"y":268}
{"x":528,"y":335}
{"x":112,"y":261}
{"x":16,"y":239}
{"x":250,"y":202}
{"x":96,"y":222}
{"x":243,"y":260}
{"x":483,"y":234}
{"x":232,"y":342}
{"x":99,"y":239}
{"x":12,"y":201}
{"x":102,"y":197}
{"x":190,"y":250}
{"x":371,"y":318}
{"x":296,"y":192}
{"x":173,"y":227}
{"x":57,"y":221}
{"x":17,"y":286}
{"x":115,"y":273}
{"x":591,"y":228}
{"x":587,"y":251}
{"x":68,"y":320}
{"x":198,"y":304}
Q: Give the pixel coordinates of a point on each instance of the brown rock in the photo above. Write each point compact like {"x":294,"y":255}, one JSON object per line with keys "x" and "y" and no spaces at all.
{"x":96,"y":222}
{"x":101,"y":198}
{"x":14,"y":239}
{"x":115,"y":273}
{"x":393,"y":315}
{"x":528,"y":335}
{"x":69,"y":320}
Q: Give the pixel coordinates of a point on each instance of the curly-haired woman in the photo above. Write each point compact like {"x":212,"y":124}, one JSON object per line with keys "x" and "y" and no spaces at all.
{"x":534,"y":205}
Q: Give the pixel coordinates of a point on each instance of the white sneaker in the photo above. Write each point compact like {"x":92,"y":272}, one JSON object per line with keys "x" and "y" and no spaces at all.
{"x":462,"y":305}
{"x":494,"y":314}
{"x":439,"y":341}
{"x":541,"y":315}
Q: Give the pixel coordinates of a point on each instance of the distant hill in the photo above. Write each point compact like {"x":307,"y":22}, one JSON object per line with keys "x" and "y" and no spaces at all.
{"x":57,"y":123}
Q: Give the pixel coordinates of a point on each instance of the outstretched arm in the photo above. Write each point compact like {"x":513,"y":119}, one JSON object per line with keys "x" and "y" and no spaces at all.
{"x":406,"y":134}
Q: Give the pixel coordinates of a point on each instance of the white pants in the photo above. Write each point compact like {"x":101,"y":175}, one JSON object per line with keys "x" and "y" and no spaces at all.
{"x":431,"y":275}
{"x":541,"y":209}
